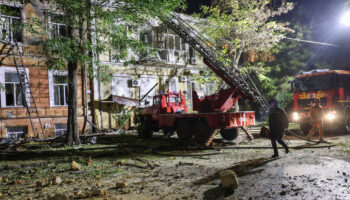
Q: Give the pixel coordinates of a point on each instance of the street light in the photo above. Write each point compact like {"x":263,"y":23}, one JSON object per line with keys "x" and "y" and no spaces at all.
{"x":345,"y":20}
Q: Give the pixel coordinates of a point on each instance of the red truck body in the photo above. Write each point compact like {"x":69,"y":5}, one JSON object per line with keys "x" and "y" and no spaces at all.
{"x":332,"y":87}
{"x":169,"y":113}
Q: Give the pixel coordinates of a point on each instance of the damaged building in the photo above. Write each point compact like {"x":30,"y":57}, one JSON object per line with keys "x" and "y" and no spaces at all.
{"x":172,"y":68}
{"x":47,"y":92}
{"x":106,"y":103}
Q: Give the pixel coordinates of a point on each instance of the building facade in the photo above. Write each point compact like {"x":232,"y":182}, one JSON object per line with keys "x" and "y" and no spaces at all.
{"x":172,"y":68}
{"x":49,"y":87}
{"x":103,"y":103}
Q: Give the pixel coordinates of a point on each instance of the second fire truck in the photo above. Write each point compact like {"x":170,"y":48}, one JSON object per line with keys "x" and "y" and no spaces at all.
{"x":332,"y":87}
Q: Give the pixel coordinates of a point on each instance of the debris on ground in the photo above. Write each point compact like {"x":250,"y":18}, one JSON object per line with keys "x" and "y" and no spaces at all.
{"x":40,"y":183}
{"x":229,"y":179}
{"x":88,"y":161}
{"x":173,"y":169}
{"x":75,"y":166}
{"x":57,"y":180}
{"x":122,"y":184}
{"x":58,"y":197}
{"x":80,"y":194}
{"x":99,"y":192}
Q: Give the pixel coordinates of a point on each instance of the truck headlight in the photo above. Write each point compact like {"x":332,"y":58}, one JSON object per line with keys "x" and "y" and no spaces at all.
{"x":296,"y":116}
{"x":330,"y":115}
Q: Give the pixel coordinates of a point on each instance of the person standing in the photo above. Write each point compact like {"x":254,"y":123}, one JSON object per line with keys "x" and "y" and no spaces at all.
{"x":316,"y":119}
{"x":278,"y":123}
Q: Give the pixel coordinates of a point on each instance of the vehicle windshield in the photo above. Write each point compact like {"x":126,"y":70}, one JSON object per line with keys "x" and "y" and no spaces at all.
{"x":313,"y":83}
{"x":175,"y":100}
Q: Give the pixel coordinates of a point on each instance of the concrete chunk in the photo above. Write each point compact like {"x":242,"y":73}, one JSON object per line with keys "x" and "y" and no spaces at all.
{"x":229,"y":179}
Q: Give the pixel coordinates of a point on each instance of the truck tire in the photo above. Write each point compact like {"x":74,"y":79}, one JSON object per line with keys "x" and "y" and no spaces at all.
{"x":184,"y":129}
{"x":347,"y":120}
{"x":144,"y":129}
{"x":168,"y":132}
{"x":229,"y":133}
{"x":305,"y":127}
{"x":202,"y":132}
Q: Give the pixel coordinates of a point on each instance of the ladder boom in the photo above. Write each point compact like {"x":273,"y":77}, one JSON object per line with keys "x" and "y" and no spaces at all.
{"x":221,"y":64}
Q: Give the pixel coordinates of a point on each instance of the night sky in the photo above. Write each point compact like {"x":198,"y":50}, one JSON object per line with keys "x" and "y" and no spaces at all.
{"x":194,"y":5}
{"x":323,"y":18}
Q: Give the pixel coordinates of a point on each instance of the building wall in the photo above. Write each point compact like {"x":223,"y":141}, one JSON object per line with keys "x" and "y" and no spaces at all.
{"x":39,"y":83}
{"x":162,"y":73}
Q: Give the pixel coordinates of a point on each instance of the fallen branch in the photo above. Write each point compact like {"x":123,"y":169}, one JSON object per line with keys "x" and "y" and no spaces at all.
{"x":131,"y":165}
{"x":149,"y":164}
{"x":190,"y":155}
{"x":267,"y":147}
{"x":240,"y":168}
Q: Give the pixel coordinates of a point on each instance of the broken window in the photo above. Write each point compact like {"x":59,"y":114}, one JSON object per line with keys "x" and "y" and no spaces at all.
{"x":60,"y":88}
{"x":146,"y":36}
{"x":177,"y":43}
{"x":171,"y":47}
{"x":16,"y":132}
{"x":171,"y":42}
{"x":10,"y":24}
{"x":57,"y":26}
{"x":60,"y":129}
{"x":193,"y":59}
{"x":13,"y":92}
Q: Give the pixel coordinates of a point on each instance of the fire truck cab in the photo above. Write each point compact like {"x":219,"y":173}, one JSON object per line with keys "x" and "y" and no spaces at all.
{"x":332,"y":87}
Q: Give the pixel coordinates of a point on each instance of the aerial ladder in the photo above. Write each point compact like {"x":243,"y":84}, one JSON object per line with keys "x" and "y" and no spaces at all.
{"x":220,"y":63}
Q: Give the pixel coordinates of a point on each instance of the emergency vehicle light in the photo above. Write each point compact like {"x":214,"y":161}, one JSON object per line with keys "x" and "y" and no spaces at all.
{"x":316,"y":71}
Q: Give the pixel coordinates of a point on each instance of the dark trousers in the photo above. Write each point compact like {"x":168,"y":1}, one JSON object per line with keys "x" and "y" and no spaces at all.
{"x":278,"y":138}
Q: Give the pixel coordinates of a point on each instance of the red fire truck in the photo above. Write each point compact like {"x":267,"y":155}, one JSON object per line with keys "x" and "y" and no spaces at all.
{"x":214,"y":113}
{"x":169,"y":113}
{"x":332,"y":87}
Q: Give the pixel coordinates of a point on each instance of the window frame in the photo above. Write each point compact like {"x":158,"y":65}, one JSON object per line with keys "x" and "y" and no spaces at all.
{"x":25,"y":131}
{"x":19,"y":6}
{"x":51,"y":74}
{"x":59,"y":130}
{"x":51,"y":23}
{"x":174,"y":49}
{"x":3,"y":70}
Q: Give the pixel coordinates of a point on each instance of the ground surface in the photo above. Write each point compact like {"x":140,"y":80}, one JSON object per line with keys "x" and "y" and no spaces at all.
{"x":171,"y":169}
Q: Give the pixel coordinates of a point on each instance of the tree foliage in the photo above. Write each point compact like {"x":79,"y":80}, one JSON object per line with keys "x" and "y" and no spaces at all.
{"x":240,"y":26}
{"x":94,"y":27}
{"x":100,"y":26}
{"x":290,"y":58}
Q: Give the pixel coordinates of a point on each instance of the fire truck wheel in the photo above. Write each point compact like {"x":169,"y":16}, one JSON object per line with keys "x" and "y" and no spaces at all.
{"x":347,"y":120}
{"x":184,"y":129}
{"x":168,"y":132}
{"x":202,"y":132}
{"x":144,"y":129}
{"x":229,"y":134}
{"x":305,"y":127}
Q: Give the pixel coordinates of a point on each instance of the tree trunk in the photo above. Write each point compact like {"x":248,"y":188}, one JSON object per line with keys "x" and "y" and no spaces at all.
{"x":72,"y":123}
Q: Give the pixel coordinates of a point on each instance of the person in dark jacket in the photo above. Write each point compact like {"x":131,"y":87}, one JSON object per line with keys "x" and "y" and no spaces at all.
{"x":278,"y":123}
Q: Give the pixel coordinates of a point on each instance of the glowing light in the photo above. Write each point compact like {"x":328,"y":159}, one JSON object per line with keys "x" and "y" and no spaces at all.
{"x":345,"y":20}
{"x":296,"y":116}
{"x":330,"y":116}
